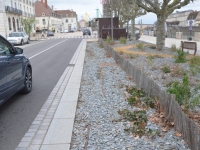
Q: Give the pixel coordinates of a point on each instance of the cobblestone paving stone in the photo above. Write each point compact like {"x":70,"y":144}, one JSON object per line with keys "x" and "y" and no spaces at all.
{"x":101,"y":96}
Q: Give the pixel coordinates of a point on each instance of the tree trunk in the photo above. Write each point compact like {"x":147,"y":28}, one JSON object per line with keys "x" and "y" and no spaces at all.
{"x":160,"y":32}
{"x":133,"y":28}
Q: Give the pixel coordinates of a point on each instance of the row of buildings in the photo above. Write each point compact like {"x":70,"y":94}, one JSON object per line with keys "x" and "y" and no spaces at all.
{"x":183,"y":18}
{"x":46,"y":18}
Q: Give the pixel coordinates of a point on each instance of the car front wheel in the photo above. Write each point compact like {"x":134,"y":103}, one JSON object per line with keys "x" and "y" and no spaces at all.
{"x":27,"y":41}
{"x":22,"y":42}
{"x":27,"y":82}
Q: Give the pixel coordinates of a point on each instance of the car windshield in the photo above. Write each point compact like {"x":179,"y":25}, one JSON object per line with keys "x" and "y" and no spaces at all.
{"x":15,"y":35}
{"x":86,"y":30}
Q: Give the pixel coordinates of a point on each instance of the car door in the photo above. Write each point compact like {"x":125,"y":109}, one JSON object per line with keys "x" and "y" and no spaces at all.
{"x":2,"y":73}
{"x":14,"y":68}
{"x":25,"y":37}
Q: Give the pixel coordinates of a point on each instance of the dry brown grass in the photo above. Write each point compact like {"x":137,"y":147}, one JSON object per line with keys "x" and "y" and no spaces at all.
{"x":176,"y":71}
{"x":125,"y":50}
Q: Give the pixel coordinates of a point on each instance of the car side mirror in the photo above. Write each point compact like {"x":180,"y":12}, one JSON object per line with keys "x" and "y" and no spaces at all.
{"x":18,"y":50}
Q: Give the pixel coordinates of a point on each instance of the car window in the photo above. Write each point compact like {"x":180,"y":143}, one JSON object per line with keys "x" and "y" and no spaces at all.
{"x":15,"y":35}
{"x":5,"y":48}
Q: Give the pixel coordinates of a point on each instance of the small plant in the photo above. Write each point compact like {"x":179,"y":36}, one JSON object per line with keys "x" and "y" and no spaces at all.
{"x":108,"y":39}
{"x":122,"y":40}
{"x":180,"y":57}
{"x":166,"y":69}
{"x":173,"y":48}
{"x":138,"y":98}
{"x":150,"y":59}
{"x":195,"y":65}
{"x":140,"y":46}
{"x":132,"y":56}
{"x":152,"y":47}
{"x":139,"y":120}
{"x":101,"y":45}
{"x":183,"y":94}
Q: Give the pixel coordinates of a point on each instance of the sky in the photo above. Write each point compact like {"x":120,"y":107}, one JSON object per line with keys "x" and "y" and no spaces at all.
{"x":81,"y":7}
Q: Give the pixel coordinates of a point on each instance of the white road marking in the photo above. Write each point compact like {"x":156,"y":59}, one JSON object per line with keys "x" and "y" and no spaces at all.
{"x":46,"y":49}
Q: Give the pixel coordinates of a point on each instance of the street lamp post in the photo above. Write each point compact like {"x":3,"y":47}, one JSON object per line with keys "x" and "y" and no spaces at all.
{"x":112,"y":20}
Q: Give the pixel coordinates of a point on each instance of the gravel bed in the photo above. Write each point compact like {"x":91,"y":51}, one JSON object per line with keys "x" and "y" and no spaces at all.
{"x":97,"y":125}
{"x":153,"y":68}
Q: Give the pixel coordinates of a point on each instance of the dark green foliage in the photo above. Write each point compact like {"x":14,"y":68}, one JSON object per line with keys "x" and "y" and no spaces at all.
{"x":138,"y":97}
{"x":122,"y":40}
{"x":183,"y":93}
{"x":180,"y":57}
{"x":195,"y":65}
{"x":166,"y":69}
{"x":139,"y":119}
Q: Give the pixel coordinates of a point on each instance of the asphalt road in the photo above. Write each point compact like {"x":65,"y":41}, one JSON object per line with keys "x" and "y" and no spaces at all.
{"x":49,"y":60}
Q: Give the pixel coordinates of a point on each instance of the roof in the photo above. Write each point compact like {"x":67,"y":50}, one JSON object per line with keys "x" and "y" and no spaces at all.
{"x":198,"y":17}
{"x":64,"y":12}
{"x":40,"y":9}
{"x":192,"y":15}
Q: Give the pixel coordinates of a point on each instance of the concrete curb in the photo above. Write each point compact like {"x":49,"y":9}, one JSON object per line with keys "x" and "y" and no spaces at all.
{"x":53,"y":126}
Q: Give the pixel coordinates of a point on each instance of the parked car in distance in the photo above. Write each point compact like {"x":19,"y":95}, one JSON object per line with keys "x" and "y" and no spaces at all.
{"x":15,"y":71}
{"x":86,"y":32}
{"x":18,"y":38}
{"x":71,"y":31}
{"x":50,"y":33}
{"x":65,"y":31}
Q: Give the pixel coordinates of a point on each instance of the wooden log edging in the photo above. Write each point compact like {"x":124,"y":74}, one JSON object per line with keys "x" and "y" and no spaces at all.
{"x":182,"y":123}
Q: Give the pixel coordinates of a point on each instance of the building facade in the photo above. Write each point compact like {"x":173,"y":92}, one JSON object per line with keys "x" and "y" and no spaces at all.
{"x":69,"y":19}
{"x":180,"y":18}
{"x":11,"y":13}
{"x":46,"y":18}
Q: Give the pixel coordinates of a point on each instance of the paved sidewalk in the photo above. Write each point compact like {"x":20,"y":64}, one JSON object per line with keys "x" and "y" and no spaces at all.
{"x":53,"y":126}
{"x":169,"y":42}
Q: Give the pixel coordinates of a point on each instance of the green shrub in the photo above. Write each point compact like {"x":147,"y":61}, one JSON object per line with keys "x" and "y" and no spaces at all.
{"x":122,"y":40}
{"x":180,"y":57}
{"x":139,"y":118}
{"x":150,"y":59}
{"x":183,"y":93}
{"x":195,"y":65}
{"x":173,"y":48}
{"x":108,"y":39}
{"x":140,"y":46}
{"x":152,"y":47}
{"x":166,"y":69}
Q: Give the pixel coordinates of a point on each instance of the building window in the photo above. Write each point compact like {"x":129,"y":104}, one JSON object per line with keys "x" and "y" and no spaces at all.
{"x":66,"y":15}
{"x":20,"y":7}
{"x":17,"y":24}
{"x":72,"y":20}
{"x":15,"y":5}
{"x":11,"y":3}
{"x":43,"y":14}
{"x":9,"y":24}
{"x":72,"y":15}
{"x":66,"y":20}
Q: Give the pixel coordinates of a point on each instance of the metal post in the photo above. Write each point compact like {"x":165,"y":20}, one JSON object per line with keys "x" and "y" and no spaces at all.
{"x":127,"y":28}
{"x":111,"y":20}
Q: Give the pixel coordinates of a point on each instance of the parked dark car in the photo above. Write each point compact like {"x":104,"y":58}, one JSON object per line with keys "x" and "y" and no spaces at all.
{"x":86,"y":32}
{"x":15,"y":71}
{"x":50,"y":33}
{"x":71,"y":31}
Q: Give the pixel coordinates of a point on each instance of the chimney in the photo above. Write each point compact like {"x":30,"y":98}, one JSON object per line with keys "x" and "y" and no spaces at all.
{"x":45,"y":3}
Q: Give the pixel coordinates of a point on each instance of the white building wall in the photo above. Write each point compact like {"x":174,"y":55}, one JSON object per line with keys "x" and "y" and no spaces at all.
{"x":18,"y":4}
